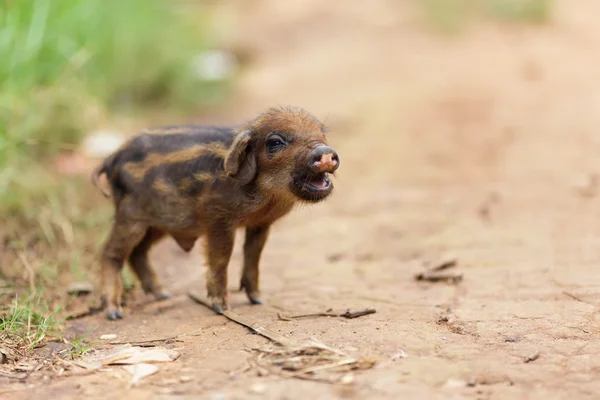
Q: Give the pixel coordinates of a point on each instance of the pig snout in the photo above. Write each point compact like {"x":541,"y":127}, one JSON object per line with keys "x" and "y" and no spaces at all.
{"x":324,"y":159}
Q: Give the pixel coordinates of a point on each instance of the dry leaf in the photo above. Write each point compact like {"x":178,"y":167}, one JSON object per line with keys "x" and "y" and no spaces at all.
{"x":127,"y":355}
{"x":140,"y":371}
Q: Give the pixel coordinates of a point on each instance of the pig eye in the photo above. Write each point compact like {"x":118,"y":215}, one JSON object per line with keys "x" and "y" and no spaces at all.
{"x":275,"y":143}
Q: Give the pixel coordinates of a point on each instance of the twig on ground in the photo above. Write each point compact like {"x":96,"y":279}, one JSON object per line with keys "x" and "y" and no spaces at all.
{"x":348,"y":314}
{"x":248,"y":323}
{"x":153,"y":342}
{"x":532,"y":357}
{"x":577,"y":298}
{"x":149,"y":343}
{"x":358,"y":313}
{"x":435,"y":274}
{"x":444,"y":264}
{"x":436,"y":277}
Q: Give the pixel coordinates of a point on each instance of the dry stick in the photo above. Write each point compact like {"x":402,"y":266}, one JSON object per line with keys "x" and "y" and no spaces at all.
{"x":444,"y":264}
{"x":291,"y":317}
{"x":151,"y":342}
{"x":358,"y":313}
{"x":348,"y":314}
{"x":577,"y":298}
{"x":434,"y":274}
{"x":435,"y":277}
{"x":148,"y":343}
{"x":532,"y":357}
{"x":247,"y":322}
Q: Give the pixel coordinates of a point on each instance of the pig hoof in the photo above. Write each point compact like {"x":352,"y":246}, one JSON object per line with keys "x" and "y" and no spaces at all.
{"x":218,"y":308}
{"x":163,"y":296}
{"x":218,"y":304}
{"x":255,"y":298}
{"x":114,"y":315}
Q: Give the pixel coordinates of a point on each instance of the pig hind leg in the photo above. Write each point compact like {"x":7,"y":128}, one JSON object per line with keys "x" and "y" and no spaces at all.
{"x":138,"y":259}
{"x":124,"y":236}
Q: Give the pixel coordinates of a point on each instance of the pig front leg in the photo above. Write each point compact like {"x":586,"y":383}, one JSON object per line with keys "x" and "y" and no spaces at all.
{"x":256,"y":237}
{"x":219,"y":245}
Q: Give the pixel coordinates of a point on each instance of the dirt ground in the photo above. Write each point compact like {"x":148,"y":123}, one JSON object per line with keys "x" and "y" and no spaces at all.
{"x":483,"y":146}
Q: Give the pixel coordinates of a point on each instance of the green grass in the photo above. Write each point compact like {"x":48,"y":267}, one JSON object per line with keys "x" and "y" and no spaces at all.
{"x":78,"y":347}
{"x":27,"y":324}
{"x":66,"y":66}
{"x":452,"y":16}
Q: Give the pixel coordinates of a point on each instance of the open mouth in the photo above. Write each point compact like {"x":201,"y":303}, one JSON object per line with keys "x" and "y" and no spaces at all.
{"x":312,"y":187}
{"x":319,"y":182}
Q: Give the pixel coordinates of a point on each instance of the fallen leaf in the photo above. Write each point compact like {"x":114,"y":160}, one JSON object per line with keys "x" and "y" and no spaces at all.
{"x":140,"y":371}
{"x":148,"y":356}
{"x":127,"y":355}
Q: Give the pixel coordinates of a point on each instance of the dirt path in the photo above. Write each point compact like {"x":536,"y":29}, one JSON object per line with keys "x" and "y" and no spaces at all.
{"x":474,"y":146}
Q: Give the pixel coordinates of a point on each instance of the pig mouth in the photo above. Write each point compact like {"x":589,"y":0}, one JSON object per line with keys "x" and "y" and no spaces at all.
{"x":312,"y":187}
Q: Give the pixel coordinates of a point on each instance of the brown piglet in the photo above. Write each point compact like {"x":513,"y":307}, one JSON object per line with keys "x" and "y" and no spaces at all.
{"x":189,"y":182}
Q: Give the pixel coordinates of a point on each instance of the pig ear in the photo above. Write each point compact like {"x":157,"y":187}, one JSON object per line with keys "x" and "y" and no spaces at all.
{"x":240,"y":162}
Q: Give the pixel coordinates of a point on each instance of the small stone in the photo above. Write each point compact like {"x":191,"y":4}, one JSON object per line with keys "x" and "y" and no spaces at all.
{"x":108,"y":336}
{"x":472,"y":381}
{"x":185,"y":378}
{"x":80,"y":288}
{"x":398,"y":355}
{"x":347,"y":379}
{"x":455,"y":383}
{"x":258,"y":388}
{"x":532,"y":357}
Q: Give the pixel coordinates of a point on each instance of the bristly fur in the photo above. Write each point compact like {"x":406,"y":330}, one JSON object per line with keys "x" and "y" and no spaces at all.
{"x":324,"y":127}
{"x":191,"y":181}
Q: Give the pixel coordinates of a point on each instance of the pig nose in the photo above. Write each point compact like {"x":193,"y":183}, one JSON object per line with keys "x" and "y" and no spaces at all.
{"x":324,"y":159}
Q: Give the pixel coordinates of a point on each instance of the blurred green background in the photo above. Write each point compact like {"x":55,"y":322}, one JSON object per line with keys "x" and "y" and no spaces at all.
{"x":68,"y":65}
